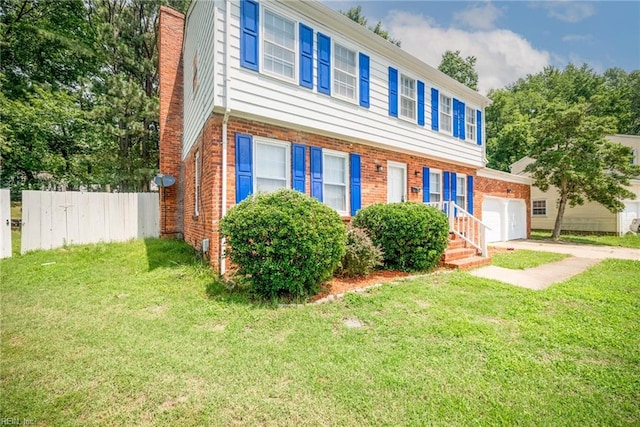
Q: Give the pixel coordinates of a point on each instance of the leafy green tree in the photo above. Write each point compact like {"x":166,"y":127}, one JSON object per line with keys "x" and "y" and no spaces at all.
{"x":355,"y":14}
{"x":572,"y":154}
{"x":459,"y":68}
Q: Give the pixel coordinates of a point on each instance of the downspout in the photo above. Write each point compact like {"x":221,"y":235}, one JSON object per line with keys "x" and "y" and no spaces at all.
{"x":225,"y":119}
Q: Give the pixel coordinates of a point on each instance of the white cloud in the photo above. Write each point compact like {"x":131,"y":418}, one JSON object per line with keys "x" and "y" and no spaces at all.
{"x":502,"y":55}
{"x":567,"y":11}
{"x":479,"y":17}
{"x":577,"y":37}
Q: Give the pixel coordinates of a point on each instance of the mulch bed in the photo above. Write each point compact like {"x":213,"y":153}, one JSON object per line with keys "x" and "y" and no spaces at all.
{"x":339,"y":285}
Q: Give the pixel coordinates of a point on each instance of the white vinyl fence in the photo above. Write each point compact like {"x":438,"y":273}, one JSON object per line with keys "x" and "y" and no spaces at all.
{"x":5,"y":224}
{"x":53,"y":219}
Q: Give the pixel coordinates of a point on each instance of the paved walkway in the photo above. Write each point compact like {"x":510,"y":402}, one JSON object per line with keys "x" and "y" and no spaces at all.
{"x":584,"y":256}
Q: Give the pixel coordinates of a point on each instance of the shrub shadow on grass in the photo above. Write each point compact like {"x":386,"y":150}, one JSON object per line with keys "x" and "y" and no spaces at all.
{"x":170,"y":253}
{"x":223,"y":290}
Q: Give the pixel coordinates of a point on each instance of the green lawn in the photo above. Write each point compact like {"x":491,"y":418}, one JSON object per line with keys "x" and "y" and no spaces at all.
{"x":140,"y":334}
{"x":627,"y":241}
{"x":523,"y":258}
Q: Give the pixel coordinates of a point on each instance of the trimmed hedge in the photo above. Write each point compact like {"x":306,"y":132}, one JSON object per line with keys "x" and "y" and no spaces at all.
{"x":361,"y":257}
{"x":284,"y":243}
{"x":413,"y":236}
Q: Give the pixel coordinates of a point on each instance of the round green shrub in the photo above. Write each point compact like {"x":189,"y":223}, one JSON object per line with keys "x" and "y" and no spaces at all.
{"x":413,"y":236}
{"x":361,"y":256}
{"x":284,"y":243}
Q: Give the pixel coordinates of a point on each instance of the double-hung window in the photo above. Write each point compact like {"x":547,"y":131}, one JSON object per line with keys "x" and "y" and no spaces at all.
{"x":470,"y":123}
{"x":461,"y":190}
{"x":435,"y":186}
{"x":446,"y":117}
{"x":407,"y":97}
{"x":539,"y":207}
{"x":335,"y":173}
{"x":279,"y":49}
{"x":272,"y":161}
{"x":196,"y":183}
{"x":344,"y":72}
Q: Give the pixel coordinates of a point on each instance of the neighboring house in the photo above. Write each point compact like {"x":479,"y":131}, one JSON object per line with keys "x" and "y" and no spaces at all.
{"x":260,"y":95}
{"x":592,"y":216}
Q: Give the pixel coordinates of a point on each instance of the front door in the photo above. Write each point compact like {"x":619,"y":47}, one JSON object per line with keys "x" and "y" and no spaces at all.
{"x":396,"y":182}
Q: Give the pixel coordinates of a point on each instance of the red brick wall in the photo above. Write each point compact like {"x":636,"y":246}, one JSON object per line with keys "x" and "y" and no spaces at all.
{"x":493,"y":187}
{"x":170,"y":36}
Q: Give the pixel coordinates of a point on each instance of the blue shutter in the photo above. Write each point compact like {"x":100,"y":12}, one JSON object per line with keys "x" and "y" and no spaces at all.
{"x":463,"y":125}
{"x":393,"y":92}
{"x":306,"y":56}
{"x":244,"y":167}
{"x":298,"y":167}
{"x":479,"y":127}
{"x":249,"y":30}
{"x":470,"y":194}
{"x":435,"y":97}
{"x":356,"y":183}
{"x":420,"y":103}
{"x":324,"y":64}
{"x":316,"y":172}
{"x":425,"y":185}
{"x":456,"y":115}
{"x":364,"y":80}
{"x":446,"y":186}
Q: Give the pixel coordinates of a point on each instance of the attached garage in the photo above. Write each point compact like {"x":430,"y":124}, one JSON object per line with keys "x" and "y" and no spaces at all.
{"x":506,"y":218}
{"x":630,"y":212}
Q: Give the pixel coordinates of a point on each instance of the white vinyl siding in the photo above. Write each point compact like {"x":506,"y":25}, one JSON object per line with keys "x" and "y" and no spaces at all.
{"x":335,"y":178}
{"x":407,"y":97}
{"x":461,"y":191}
{"x":279,"y":49}
{"x":470,"y":123}
{"x":446,"y":118}
{"x":272,"y":165}
{"x":539,"y":207}
{"x":435,"y":186}
{"x":344,"y":72}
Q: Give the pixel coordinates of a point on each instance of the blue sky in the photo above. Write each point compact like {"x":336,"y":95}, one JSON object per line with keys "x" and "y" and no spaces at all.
{"x":515,"y":38}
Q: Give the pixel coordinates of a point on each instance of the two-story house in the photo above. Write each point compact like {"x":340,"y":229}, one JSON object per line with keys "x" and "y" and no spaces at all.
{"x":260,"y":95}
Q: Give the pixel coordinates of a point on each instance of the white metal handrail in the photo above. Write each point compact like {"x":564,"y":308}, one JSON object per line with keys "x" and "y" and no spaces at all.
{"x":465,"y":225}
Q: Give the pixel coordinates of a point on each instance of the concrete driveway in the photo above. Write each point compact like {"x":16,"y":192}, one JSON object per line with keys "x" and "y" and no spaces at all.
{"x":541,"y":277}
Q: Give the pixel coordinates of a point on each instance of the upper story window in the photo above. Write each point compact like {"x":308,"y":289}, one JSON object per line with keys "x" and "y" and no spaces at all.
{"x":344,"y":72}
{"x":279,"y":49}
{"x":407,"y":97}
{"x":194,"y":72}
{"x":470,"y":123}
{"x":539,"y":207}
{"x":461,"y":190}
{"x":446,"y":117}
{"x":272,"y":165}
{"x":335,"y":172}
{"x":435,"y":186}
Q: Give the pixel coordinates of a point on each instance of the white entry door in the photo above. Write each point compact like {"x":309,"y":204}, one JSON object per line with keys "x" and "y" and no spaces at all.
{"x":396,"y":182}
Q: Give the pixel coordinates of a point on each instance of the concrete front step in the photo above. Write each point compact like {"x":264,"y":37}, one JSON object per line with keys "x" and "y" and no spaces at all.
{"x":465,"y":263}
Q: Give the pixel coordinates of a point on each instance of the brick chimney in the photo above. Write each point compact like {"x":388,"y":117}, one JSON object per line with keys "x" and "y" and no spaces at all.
{"x":170,"y":72}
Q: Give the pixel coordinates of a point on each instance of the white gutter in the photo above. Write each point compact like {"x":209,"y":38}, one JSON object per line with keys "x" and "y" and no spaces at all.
{"x":225,"y":119}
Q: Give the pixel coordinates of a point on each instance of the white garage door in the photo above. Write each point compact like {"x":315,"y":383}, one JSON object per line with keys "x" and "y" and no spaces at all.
{"x":631,"y":211}
{"x":507,"y":218}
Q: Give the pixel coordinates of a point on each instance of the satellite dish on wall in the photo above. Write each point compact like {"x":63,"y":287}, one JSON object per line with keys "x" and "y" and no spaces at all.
{"x":162,"y":180}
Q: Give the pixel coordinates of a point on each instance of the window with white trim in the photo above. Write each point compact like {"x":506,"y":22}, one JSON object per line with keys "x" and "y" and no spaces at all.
{"x":272,"y":160}
{"x":634,"y":156}
{"x":446,"y":119}
{"x":435,"y":186}
{"x":279,"y":48}
{"x":196,"y":183}
{"x":335,"y":177}
{"x":407,"y":97}
{"x":470,"y":122}
{"x":194,"y":71}
{"x":539,"y":207}
{"x":461,"y":190}
{"x":344,"y":72}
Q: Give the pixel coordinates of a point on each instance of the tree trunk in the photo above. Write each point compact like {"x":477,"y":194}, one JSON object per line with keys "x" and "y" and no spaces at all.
{"x":562,"y":204}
